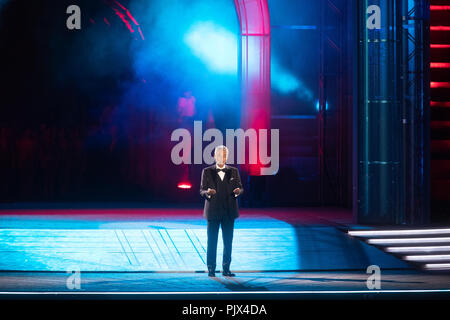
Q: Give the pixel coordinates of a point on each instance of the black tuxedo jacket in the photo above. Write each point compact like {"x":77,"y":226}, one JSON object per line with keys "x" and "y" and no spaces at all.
{"x":210,"y":178}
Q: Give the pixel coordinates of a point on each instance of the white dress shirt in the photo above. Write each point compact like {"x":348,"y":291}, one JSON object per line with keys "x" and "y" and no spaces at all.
{"x":221,"y":173}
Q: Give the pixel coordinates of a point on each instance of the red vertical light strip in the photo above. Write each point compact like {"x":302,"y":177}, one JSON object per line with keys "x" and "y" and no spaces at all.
{"x":435,"y":84}
{"x":440,"y":89}
{"x":244,"y":108}
{"x":440,"y":28}
{"x":439,"y":8}
{"x":440,"y":65}
{"x":445,"y":104}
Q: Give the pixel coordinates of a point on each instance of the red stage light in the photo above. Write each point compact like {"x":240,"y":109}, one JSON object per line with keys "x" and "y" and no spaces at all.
{"x":184,"y":185}
{"x":440,"y":84}
{"x":439,"y":8}
{"x":440,"y":46}
{"x":440,"y":65}
{"x":445,"y":104}
{"x":440,"y":28}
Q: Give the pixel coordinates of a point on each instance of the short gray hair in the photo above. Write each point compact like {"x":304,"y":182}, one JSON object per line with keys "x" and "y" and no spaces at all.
{"x":220,"y":147}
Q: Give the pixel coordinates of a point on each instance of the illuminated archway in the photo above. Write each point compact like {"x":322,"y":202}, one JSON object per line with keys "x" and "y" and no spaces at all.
{"x":254,"y":68}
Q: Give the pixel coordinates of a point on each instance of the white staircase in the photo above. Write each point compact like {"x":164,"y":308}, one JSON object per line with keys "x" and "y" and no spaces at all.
{"x":425,"y":248}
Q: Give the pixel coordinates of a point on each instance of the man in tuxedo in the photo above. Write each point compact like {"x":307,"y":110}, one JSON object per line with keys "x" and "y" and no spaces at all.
{"x":220,"y":186}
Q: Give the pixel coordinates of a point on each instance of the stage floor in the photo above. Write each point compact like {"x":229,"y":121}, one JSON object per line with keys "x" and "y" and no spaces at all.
{"x":174,"y":240}
{"x":260,"y":283}
{"x":164,"y":249}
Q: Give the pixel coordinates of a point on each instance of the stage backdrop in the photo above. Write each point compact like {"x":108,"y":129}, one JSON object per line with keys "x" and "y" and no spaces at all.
{"x":87,"y":114}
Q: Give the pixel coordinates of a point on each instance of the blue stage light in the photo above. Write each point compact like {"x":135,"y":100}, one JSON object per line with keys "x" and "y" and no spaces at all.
{"x":214,"y":45}
{"x":317,"y":106}
{"x":285,"y":82}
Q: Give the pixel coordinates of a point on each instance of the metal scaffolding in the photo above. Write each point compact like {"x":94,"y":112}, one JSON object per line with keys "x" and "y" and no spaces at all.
{"x":393,"y":115}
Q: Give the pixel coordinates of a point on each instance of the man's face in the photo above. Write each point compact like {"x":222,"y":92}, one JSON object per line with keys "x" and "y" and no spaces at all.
{"x":221,"y":157}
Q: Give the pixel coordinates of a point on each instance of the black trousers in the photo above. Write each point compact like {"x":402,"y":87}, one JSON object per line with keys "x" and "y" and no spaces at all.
{"x":227,"y":225}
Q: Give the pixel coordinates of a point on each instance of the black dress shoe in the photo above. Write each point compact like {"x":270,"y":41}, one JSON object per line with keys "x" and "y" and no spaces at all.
{"x":227,"y":273}
{"x":211,"y":273}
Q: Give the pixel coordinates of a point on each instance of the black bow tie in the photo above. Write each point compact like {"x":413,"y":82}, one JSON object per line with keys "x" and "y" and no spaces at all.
{"x":220,"y":170}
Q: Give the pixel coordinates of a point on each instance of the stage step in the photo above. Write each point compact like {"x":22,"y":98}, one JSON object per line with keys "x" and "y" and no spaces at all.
{"x":424,"y":248}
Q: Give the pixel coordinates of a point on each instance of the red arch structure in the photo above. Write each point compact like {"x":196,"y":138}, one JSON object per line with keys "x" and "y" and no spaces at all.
{"x":254,"y":63}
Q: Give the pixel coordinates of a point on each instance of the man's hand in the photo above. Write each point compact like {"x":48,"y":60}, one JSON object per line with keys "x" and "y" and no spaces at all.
{"x":237,"y":191}
{"x":210,"y":191}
